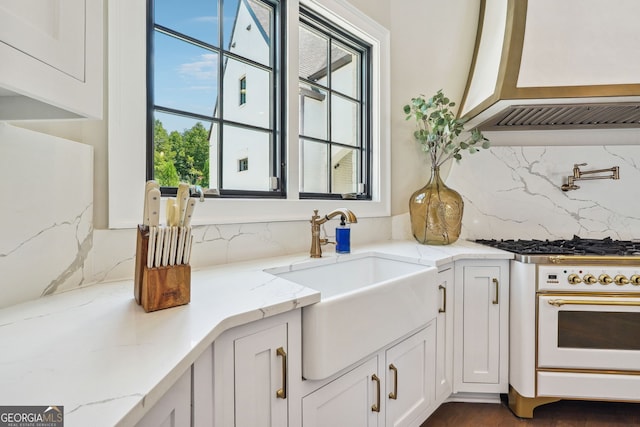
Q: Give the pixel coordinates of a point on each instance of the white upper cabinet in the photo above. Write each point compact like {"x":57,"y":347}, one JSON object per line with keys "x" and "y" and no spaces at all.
{"x":52,"y":59}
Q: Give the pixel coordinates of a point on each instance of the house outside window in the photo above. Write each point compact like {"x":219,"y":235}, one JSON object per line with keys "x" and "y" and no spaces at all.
{"x":131,"y":74}
{"x":334,"y":109}
{"x":201,"y":50}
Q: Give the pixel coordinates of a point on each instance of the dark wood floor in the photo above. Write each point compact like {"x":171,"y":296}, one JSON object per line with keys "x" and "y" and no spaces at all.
{"x":564,"y":413}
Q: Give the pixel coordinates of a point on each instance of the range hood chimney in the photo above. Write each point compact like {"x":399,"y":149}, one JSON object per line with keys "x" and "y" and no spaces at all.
{"x":556,"y":65}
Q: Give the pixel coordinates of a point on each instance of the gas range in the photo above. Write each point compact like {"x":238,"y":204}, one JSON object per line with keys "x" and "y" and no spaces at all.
{"x":574,"y":250}
{"x":577,"y":264}
{"x":574,"y":319}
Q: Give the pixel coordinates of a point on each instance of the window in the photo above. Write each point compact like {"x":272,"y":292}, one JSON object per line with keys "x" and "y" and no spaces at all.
{"x":243,"y":90}
{"x":129,"y":111}
{"x":243,"y":164}
{"x":334,"y":109}
{"x":201,"y":51}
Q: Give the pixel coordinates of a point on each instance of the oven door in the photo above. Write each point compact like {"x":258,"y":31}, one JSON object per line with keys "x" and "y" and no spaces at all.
{"x":596,"y":332}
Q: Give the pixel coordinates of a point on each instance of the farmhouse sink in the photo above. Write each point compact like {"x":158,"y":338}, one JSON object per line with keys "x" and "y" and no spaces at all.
{"x":367,"y":301}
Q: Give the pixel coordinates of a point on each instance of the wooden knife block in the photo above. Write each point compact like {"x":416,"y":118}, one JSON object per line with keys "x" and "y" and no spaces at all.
{"x":160,"y":287}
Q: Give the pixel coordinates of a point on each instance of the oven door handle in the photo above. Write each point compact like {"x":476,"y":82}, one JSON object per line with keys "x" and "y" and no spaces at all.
{"x":561,"y":302}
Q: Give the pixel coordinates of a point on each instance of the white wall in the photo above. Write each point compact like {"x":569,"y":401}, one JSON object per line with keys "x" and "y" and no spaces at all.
{"x":431,"y":48}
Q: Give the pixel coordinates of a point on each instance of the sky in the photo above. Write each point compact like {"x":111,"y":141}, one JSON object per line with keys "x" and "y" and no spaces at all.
{"x":185,"y":75}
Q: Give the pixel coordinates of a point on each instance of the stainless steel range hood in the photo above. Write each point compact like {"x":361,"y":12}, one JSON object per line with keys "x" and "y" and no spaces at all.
{"x":556,"y":65}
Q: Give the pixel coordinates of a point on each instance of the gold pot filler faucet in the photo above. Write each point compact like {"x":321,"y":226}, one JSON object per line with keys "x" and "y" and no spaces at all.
{"x":579,"y":175}
{"x":317,"y":221}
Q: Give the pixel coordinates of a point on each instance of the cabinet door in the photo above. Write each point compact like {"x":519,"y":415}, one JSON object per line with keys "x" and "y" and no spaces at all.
{"x":52,"y":32}
{"x":444,"y":335}
{"x":347,"y":401}
{"x":260,"y":380}
{"x":482,"y":310}
{"x":252,"y":364}
{"x":52,"y":59}
{"x":174,"y":408}
{"x":481,"y":325}
{"x":411,"y":377}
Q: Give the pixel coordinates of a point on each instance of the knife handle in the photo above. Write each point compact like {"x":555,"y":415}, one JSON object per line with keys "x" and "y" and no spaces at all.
{"x":150,"y":185}
{"x":151,"y":246}
{"x":154,"y":207}
{"x":183,"y":197}
{"x":174,"y":243}
{"x":187,"y":249}
{"x":169,"y":212}
{"x":166,"y":246}
{"x":180,"y":248}
{"x":159,"y":241}
{"x":191,"y":205}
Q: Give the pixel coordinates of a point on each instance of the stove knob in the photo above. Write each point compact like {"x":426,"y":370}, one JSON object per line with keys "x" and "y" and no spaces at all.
{"x":589,"y":279}
{"x":574,"y":279}
{"x":605,"y":279}
{"x":620,"y":280}
{"x":635,"y":279}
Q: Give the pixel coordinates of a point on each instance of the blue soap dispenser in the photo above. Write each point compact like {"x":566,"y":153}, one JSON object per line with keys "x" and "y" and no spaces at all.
{"x":343,"y":237}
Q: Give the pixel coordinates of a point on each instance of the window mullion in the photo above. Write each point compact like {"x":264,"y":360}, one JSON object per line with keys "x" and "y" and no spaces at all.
{"x":292,"y":114}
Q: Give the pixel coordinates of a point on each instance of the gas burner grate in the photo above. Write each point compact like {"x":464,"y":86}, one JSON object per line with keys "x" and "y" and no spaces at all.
{"x":574,"y":246}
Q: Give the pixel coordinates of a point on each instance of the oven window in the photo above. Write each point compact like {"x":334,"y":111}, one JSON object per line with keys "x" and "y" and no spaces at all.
{"x":599,"y":330}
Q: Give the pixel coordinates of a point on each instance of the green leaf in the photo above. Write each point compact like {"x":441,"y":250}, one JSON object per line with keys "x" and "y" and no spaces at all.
{"x":407,"y":109}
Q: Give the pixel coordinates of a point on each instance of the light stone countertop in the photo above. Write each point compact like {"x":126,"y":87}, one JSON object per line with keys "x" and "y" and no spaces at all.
{"x":98,"y":354}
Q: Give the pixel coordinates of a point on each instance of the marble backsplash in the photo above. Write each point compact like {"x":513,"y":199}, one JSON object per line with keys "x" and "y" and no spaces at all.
{"x":113,"y":254}
{"x":46,"y":220}
{"x":514,"y":192}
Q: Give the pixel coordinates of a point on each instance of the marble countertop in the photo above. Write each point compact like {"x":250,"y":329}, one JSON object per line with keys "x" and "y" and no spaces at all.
{"x":98,"y":354}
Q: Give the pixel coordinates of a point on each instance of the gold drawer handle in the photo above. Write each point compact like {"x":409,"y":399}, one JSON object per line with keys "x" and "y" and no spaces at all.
{"x":282,"y":393}
{"x":376,"y":406}
{"x":495,"y":282}
{"x":443,"y":309}
{"x":561,"y":302}
{"x":394,"y":394}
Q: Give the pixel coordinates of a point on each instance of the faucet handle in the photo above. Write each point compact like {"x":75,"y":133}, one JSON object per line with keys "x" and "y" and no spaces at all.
{"x":326,"y":241}
{"x":577,"y":173}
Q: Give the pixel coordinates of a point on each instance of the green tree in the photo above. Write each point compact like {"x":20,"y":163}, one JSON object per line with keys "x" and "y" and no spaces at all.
{"x":181,"y":156}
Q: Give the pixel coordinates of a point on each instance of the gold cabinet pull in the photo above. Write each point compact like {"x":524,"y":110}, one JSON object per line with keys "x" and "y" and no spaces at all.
{"x":394,"y":394}
{"x":443,"y":309}
{"x":561,"y":302}
{"x":376,"y":406}
{"x":495,"y":282}
{"x":282,"y":393}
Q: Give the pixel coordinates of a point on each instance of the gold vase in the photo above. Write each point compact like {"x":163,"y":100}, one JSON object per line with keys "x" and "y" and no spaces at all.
{"x":436,"y":212}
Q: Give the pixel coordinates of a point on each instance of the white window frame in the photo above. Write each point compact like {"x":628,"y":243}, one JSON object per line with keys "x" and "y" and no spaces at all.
{"x":127,"y":122}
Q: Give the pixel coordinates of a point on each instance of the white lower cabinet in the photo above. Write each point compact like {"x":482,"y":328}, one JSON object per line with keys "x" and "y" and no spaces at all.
{"x":346,"y":401}
{"x":395,"y":387}
{"x":482,"y":326}
{"x":411,"y":378}
{"x":174,"y":408}
{"x":252,"y":374}
{"x":256,"y":372}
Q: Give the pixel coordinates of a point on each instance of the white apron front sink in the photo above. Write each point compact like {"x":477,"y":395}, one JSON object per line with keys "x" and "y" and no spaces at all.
{"x":367,"y":301}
